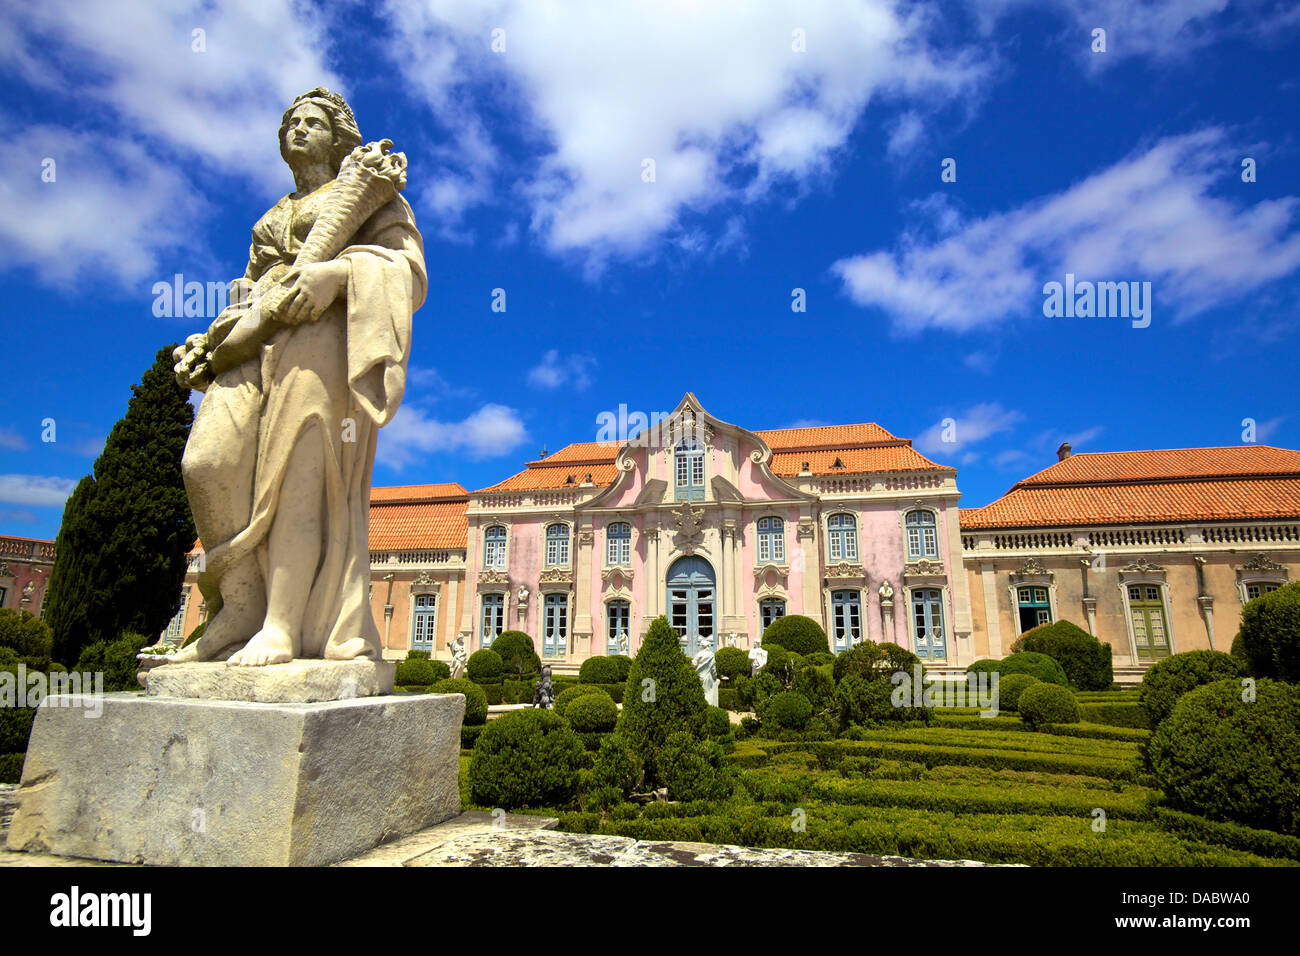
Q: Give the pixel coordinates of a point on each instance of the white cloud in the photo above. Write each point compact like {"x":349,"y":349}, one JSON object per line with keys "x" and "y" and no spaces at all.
{"x":555,"y":371}
{"x":1150,"y":217}
{"x":1265,"y":430}
{"x":223,"y":104}
{"x":492,"y":431}
{"x":12,"y":440}
{"x":905,"y":135}
{"x":713,"y":93}
{"x":36,"y":491}
{"x":956,"y":433}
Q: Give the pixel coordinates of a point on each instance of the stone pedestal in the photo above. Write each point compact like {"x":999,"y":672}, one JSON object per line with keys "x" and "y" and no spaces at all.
{"x":172,"y":781}
{"x":299,"y":681}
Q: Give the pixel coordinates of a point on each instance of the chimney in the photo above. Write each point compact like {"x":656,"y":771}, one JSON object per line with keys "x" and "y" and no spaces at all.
{"x":1064,"y":451}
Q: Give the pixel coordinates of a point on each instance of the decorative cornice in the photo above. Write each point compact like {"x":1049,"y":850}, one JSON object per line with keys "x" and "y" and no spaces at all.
{"x":616,"y":570}
{"x":556,"y":576}
{"x":423,"y":579}
{"x":782,"y":570}
{"x":1031,"y":568}
{"x":1142,"y":566}
{"x":924,"y":568}
{"x":493,"y":578}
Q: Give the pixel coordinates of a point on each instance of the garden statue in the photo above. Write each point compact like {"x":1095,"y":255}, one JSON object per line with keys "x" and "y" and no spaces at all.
{"x":707,"y":668}
{"x":757,"y":659}
{"x":459,"y":656}
{"x":886,"y":593}
{"x":544,"y":693}
{"x":299,"y":372}
{"x":523,"y":594}
{"x":621,"y":642}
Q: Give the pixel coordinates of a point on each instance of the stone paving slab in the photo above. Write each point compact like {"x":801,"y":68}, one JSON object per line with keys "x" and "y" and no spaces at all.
{"x":474,"y":839}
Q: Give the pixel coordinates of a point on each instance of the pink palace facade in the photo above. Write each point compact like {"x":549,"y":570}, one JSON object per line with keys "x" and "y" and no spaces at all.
{"x":721,"y":529}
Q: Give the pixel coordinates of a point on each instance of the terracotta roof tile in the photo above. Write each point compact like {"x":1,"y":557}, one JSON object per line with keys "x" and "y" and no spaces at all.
{"x":825,"y":436}
{"x":1168,"y":485}
{"x":571,"y":475}
{"x":448,"y":489}
{"x":410,"y":525}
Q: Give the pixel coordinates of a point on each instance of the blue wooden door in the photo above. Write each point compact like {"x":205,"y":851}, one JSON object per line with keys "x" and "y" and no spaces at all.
{"x":692,"y":595}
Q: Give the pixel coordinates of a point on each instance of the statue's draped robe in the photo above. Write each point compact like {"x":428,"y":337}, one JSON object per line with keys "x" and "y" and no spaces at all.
{"x":343,"y":375}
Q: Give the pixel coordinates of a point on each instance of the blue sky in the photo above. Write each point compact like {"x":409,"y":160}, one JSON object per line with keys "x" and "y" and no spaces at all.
{"x":776,"y":169}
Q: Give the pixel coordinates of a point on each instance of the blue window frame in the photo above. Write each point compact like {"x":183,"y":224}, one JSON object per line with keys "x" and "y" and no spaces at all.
{"x":494,"y":618}
{"x":842,"y":537}
{"x":846,"y":618}
{"x":769,"y":609}
{"x":771,"y":541}
{"x":927,"y":622}
{"x":494,"y":547}
{"x":618,"y":544}
{"x":175,"y":627}
{"x":689,"y":470}
{"x":922,"y":536}
{"x":555,"y":629}
{"x":618,"y":616}
{"x":557,"y":545}
{"x":422,"y":628}
{"x":1035,"y":607}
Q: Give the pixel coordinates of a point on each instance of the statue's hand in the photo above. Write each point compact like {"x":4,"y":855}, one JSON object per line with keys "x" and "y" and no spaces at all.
{"x":192,"y":362}
{"x":312,"y":289}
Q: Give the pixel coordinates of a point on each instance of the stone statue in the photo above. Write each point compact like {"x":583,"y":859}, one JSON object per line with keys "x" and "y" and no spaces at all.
{"x":886,"y":593}
{"x":544,"y":692}
{"x":298,"y":374}
{"x":459,"y":656}
{"x":707,"y":668}
{"x":622,"y":643}
{"x":757,"y":659}
{"x":523,"y":594}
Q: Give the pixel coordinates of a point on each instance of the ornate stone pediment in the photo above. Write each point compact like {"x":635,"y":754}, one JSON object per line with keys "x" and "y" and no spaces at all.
{"x":924,"y":568}
{"x":846,"y":571}
{"x":1261,"y":564}
{"x":616,"y":570}
{"x":782,"y":570}
{"x":1142,"y":566}
{"x":1032,"y":568}
{"x":493,"y":578}
{"x":556,"y":576}
{"x":423,"y":579}
{"x":689,"y":522}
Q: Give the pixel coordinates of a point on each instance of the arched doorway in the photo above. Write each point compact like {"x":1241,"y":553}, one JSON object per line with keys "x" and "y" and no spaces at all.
{"x":692,"y":593}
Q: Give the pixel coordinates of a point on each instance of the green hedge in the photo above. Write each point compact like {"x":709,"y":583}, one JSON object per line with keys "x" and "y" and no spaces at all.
{"x":729,"y":699}
{"x":11,"y":767}
{"x":528,"y":758}
{"x":1167,"y":680}
{"x":476,"y":702}
{"x":797,"y":634}
{"x":15,"y":728}
{"x":1270,"y":634}
{"x":518,"y":654}
{"x":567,"y":696}
{"x":469,"y":734}
{"x":1085,"y":660}
{"x":485,"y":667}
{"x":417,"y":672}
{"x":1260,"y":842}
{"x":592,"y":713}
{"x":1115,"y":715}
{"x":1046,"y":669}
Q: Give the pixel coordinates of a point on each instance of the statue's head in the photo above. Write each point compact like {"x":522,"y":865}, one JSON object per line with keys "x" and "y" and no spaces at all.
{"x":318,"y":127}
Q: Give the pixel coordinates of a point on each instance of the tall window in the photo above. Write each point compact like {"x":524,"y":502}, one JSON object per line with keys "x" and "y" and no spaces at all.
{"x":557,"y":545}
{"x":771,"y":541}
{"x":4,"y":593}
{"x":922,"y":538}
{"x":769,"y":609}
{"x":1150,"y":629}
{"x":846,"y":618}
{"x":927,"y":620}
{"x":1035,"y":608}
{"x":618,"y":615}
{"x":422,"y":628}
{"x":494,"y":618}
{"x":1256,"y":589}
{"x":843,"y":537}
{"x":176,"y":627}
{"x":494,"y":547}
{"x":689,"y":468}
{"x":618,"y":544}
{"x":555,"y":625}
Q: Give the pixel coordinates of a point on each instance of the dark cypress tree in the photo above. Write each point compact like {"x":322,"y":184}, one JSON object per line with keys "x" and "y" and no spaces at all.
{"x":121,"y":549}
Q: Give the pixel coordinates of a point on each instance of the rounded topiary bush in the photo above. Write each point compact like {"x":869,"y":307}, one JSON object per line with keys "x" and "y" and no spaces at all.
{"x":717,"y":722}
{"x":732,"y":663}
{"x":27,"y":636}
{"x":416,"y":655}
{"x":592,"y":713}
{"x":691,"y":768}
{"x":1167,"y":680}
{"x":476,"y":704}
{"x":116,"y":660}
{"x":518,"y":654}
{"x":616,"y":766}
{"x":817,"y":685}
{"x":567,"y":696}
{"x":1270,"y":634}
{"x":529,"y":758}
{"x":819,"y":658}
{"x":599,"y":670}
{"x":796,"y":633}
{"x":1085,"y":660}
{"x":1011,"y":687}
{"x":485,"y":667}
{"x":1046,"y":669}
{"x":1042,"y":703}
{"x":1230,"y":759}
{"x":624,"y":664}
{"x":789,"y":710}
{"x":419,"y":673}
